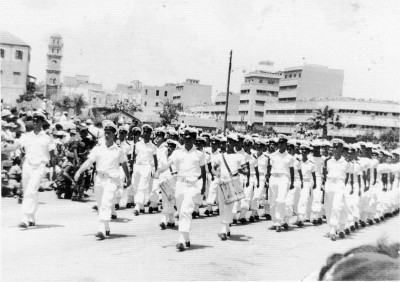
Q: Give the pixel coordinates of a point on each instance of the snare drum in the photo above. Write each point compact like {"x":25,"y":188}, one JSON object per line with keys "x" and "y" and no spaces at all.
{"x":232,"y":191}
{"x":168,"y":188}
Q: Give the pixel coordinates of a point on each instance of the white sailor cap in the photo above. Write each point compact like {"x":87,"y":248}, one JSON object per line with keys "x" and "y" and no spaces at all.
{"x":233,"y":137}
{"x":201,"y":139}
{"x":124,"y":127}
{"x":291,"y":142}
{"x":255,"y":135}
{"x":239,"y":136}
{"x":248,"y":139}
{"x":369,"y":145}
{"x":5,"y":124}
{"x":257,"y":140}
{"x":89,"y":121}
{"x":173,"y":132}
{"x":361,"y":143}
{"x":205,"y":134}
{"x":305,"y":147}
{"x":326,"y":143}
{"x":39,"y":114}
{"x":282,"y":138}
{"x":190,"y":130}
{"x":160,"y":130}
{"x":172,"y":142}
{"x":223,"y":139}
{"x":5,"y":113}
{"x":346,"y":146}
{"x":337,"y":141}
{"x":215,"y":138}
{"x":108,"y":125}
{"x":147,"y":127}
{"x":136,"y":129}
{"x":316,"y":143}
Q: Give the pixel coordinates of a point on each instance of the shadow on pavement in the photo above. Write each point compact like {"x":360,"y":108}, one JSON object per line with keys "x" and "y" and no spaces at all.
{"x":43,"y":226}
{"x":118,"y":236}
{"x":240,"y":237}
{"x":121,"y":220}
{"x":197,"y":247}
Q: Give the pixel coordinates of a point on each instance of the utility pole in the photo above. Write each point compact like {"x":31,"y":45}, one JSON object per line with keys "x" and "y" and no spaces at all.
{"x":227,"y":94}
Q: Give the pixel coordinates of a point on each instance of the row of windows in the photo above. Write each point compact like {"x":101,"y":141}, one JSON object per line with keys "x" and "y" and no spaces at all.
{"x":259,"y":114}
{"x":18,"y":54}
{"x":244,"y":101}
{"x":220,"y":103}
{"x":157,"y":92}
{"x":176,"y":97}
{"x":292,"y":99}
{"x":281,"y":124}
{"x":345,"y":111}
{"x":262,"y":80}
{"x":258,"y":102}
{"x":245,"y":113}
{"x":289,"y":87}
{"x":305,"y":111}
{"x":294,"y":75}
{"x":57,"y":50}
{"x":245,"y":91}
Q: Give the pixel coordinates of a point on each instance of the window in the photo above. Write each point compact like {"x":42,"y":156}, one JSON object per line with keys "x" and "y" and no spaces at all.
{"x":220,"y":103}
{"x":259,"y":114}
{"x":290,"y":76}
{"x":17,"y":77}
{"x":299,"y":74}
{"x":94,"y":101}
{"x":2,"y":53}
{"x":58,"y":50}
{"x":52,"y":50}
{"x":146,"y":92}
{"x":165,"y":93}
{"x":260,"y":81}
{"x":156,"y":104}
{"x":244,"y":101}
{"x":289,"y":87}
{"x":258,"y":102}
{"x":54,"y":62}
{"x":157,"y":92}
{"x":18,"y":55}
{"x":245,"y":91}
{"x":261,"y":91}
{"x":286,"y":76}
{"x":145,"y":104}
{"x":243,"y":113}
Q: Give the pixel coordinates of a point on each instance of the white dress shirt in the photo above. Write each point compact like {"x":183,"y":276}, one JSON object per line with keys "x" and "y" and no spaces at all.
{"x":107,"y":159}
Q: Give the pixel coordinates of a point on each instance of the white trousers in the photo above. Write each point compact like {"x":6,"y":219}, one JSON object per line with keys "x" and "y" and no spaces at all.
{"x":104,"y":188}
{"x":304,"y":199}
{"x":226,"y":212}
{"x":213,"y":192}
{"x":168,"y":210}
{"x":335,"y":203}
{"x":31,"y":178}
{"x":258,"y":193}
{"x":317,"y":194}
{"x":292,"y":199}
{"x":141,"y":184}
{"x":185,"y":195}
{"x":120,"y":188}
{"x":278,"y":189}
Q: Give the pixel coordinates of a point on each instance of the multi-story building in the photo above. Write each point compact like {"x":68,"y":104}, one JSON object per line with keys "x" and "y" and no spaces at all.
{"x":14,"y":65}
{"x":53,"y":70}
{"x":358,"y":116}
{"x":310,"y":81}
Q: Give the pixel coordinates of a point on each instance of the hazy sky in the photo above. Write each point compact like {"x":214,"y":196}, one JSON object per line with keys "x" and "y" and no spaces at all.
{"x":168,"y":41}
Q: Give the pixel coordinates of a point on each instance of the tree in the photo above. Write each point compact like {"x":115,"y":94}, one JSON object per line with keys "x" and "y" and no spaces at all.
{"x":367,"y":137}
{"x":169,"y":112}
{"x":64,"y":103}
{"x":390,"y":138}
{"x":78,"y":103}
{"x":323,"y":119}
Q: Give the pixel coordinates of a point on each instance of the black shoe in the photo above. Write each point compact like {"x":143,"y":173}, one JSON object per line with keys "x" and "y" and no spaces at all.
{"x":234,"y":221}
{"x":300,"y":223}
{"x":19,"y":200}
{"x":142,"y":211}
{"x":136,"y":212}
{"x":207,"y":213}
{"x":256,"y":217}
{"x":251,"y":219}
{"x":180,"y":247}
{"x":128,"y":205}
{"x":223,"y":236}
{"x":352,"y":228}
{"x":382,"y":218}
{"x":113,"y":216}
{"x":108,"y":233}
{"x":117,"y":206}
{"x":268,"y":217}
{"x":363,"y":224}
{"x":95,"y":208}
{"x":376,"y":220}
{"x":150,"y":209}
{"x":74,"y":198}
{"x":285,"y":226}
{"x":228,"y":234}
{"x":324,"y":217}
{"x":217,"y":211}
{"x":278,"y":229}
{"x":162,"y":225}
{"x":319,"y":220}
{"x":22,"y":225}
{"x":333,"y":237}
{"x":370,"y":222}
{"x":100,"y":235}
{"x":155,"y":209}
{"x":194,"y":214}
{"x":273,"y":227}
{"x":341,"y":234}
{"x":307,"y":220}
{"x":356,"y":225}
{"x":31,"y":223}
{"x":243,"y":220}
{"x":315,"y":222}
{"x":347,"y":231}
{"x":187,"y":244}
{"x":170,"y":224}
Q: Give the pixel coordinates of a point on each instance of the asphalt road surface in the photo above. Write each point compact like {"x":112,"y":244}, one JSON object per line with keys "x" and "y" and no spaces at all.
{"x":62,"y":247}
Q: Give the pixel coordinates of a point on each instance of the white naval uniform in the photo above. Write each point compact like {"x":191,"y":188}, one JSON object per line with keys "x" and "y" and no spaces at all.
{"x":307,"y":168}
{"x":162,"y":154}
{"x":334,"y":192}
{"x":353,"y":200}
{"x":213,"y":189}
{"x":188,"y":167}
{"x":292,"y":197}
{"x":37,"y":155}
{"x":167,"y":215}
{"x":249,"y":190}
{"x":262,"y":162}
{"x":235,"y":162}
{"x":316,"y":195}
{"x":365,"y":195}
{"x":279,"y":184}
{"x":374,"y":191}
{"x":108,"y":160}
{"x":142,"y":171}
{"x":243,"y":181}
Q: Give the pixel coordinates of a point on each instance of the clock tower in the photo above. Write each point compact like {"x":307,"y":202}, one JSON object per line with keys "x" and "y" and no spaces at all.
{"x":53,"y":70}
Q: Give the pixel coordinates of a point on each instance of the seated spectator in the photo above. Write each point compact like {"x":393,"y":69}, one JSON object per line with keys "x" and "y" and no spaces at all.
{"x":64,"y":180}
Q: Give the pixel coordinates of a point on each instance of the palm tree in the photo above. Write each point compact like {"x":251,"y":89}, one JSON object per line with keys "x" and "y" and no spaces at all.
{"x":324,"y":118}
{"x":64,"y":103}
{"x":79,"y":103}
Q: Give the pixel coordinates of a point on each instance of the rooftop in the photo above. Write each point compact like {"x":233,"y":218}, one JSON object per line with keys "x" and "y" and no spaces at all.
{"x":9,"y":39}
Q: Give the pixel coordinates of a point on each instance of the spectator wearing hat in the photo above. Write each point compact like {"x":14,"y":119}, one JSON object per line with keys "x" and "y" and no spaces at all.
{"x":337,"y":169}
{"x":39,"y":150}
{"x":145,"y":160}
{"x":190,"y":166}
{"x":65,"y":179}
{"x":108,"y":157}
{"x":282,"y":179}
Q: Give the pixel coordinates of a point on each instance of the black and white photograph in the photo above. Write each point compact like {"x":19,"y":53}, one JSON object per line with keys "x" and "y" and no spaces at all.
{"x":184,"y":140}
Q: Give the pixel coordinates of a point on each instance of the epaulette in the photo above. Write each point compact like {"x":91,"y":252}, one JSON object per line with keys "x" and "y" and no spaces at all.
{"x":208,"y":153}
{"x":311,"y":162}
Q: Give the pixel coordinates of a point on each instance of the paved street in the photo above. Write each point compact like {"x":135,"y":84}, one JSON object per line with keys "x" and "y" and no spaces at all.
{"x":62,"y":247}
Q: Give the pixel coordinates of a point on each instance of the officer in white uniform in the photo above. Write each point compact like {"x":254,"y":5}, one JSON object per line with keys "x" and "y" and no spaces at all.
{"x":213,"y":189}
{"x":145,"y":158}
{"x":190,"y":166}
{"x":281,"y":181}
{"x":108,"y":158}
{"x":337,"y":176}
{"x":135,"y":135}
{"x":39,"y":150}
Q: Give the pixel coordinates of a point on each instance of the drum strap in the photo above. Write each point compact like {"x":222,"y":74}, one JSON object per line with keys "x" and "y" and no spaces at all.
{"x":226,"y":164}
